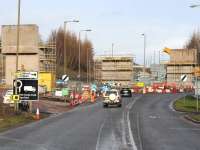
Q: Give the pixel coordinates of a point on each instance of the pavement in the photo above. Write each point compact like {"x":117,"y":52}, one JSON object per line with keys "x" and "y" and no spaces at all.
{"x":143,"y":123}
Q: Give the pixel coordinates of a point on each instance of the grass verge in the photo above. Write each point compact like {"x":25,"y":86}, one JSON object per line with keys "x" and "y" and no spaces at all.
{"x":188,"y":105}
{"x":8,"y":122}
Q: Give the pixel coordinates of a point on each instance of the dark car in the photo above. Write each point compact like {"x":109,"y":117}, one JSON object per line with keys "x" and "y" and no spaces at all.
{"x":126,"y":92}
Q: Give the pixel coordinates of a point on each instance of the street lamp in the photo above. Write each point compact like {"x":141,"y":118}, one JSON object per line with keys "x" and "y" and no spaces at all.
{"x":79,"y":52}
{"x":144,"y":35}
{"x":65,"y":53}
{"x":196,"y":78}
{"x":17,"y":50}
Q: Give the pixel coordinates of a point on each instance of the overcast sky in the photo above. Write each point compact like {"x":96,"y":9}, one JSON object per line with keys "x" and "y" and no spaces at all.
{"x":165,"y":22}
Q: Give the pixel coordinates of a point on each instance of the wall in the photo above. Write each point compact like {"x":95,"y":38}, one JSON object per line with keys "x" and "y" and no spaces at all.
{"x":30,"y":62}
{"x":28,"y":39}
{"x":28,"y":49}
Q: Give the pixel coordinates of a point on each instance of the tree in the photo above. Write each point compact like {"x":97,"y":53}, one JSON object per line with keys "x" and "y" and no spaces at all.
{"x":72,"y":52}
{"x":194,"y":43}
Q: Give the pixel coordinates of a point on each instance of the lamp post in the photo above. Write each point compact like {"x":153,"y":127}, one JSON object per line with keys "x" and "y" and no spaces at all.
{"x":79,"y":53}
{"x":144,"y":35}
{"x":64,"y":44}
{"x":17,"y":50}
{"x":87,"y":65}
{"x":196,"y":78}
{"x":18,"y":33}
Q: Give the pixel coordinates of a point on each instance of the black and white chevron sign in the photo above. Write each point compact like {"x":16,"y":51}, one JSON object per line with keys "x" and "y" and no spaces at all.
{"x":65,"y":78}
{"x":184,"y":78}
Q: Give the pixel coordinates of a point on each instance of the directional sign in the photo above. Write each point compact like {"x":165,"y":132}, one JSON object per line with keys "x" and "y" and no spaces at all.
{"x":27,"y":75}
{"x":184,"y":78}
{"x":65,"y":78}
{"x":26,"y":86}
{"x":27,"y":89}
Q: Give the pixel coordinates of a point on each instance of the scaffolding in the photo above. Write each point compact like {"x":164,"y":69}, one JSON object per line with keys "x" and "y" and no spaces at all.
{"x":179,"y":66}
{"x":48,"y":57}
{"x":117,"y":69}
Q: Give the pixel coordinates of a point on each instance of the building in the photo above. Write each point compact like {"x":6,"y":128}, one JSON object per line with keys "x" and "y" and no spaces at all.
{"x":158,"y":72}
{"x":117,"y":69}
{"x":140,"y":76}
{"x":182,"y":62}
{"x":32,"y":56}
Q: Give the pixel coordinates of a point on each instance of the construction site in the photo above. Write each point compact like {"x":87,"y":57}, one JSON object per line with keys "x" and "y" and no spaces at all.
{"x":34,"y":55}
{"x":177,"y":66}
{"x":116,"y":69}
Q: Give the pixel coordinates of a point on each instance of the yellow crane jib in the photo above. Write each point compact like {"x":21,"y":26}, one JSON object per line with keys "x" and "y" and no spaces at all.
{"x":167,"y":50}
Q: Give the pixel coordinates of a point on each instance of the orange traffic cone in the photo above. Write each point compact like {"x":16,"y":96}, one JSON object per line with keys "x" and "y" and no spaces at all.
{"x":38,"y":114}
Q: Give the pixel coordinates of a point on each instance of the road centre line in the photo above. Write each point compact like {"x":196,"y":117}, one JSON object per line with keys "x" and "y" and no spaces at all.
{"x":129,"y":125}
{"x":99,"y":134}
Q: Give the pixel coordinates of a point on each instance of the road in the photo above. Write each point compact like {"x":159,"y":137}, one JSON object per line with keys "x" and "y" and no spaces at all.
{"x":143,"y":123}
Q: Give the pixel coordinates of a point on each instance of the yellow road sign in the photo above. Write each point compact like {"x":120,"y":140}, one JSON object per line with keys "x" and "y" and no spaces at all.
{"x":140,"y":84}
{"x":15,"y":97}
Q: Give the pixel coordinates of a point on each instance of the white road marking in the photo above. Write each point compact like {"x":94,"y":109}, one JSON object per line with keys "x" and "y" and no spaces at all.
{"x":139,"y":133}
{"x":110,"y":142}
{"x":129,"y":124}
{"x":99,"y":135}
{"x":131,"y":133}
{"x":171,"y":105}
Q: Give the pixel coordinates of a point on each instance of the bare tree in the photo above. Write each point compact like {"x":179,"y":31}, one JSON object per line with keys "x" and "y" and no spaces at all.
{"x":71,"y":45}
{"x":194,"y":43}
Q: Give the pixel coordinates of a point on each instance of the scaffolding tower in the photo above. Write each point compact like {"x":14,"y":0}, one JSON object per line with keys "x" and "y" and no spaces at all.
{"x":48,"y":57}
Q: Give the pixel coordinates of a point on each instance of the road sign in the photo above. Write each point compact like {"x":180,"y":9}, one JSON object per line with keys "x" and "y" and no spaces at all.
{"x":65,"y":78}
{"x":184,"y":78}
{"x":140,"y":84}
{"x":65,"y":92}
{"x":15,"y":98}
{"x":27,"y":75}
{"x":27,"y":89}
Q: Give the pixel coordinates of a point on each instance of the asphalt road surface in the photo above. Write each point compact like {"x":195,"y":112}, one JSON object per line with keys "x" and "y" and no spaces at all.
{"x":143,"y":123}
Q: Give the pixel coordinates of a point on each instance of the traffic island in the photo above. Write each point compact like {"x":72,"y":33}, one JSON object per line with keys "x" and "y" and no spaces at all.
{"x":193,"y":117}
{"x":188,"y":105}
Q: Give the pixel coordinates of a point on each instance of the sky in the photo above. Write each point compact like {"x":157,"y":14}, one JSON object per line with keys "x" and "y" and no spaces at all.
{"x":166,"y":23}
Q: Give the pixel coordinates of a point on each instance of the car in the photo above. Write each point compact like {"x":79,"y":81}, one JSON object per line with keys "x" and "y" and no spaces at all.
{"x":112,"y":97}
{"x":7,"y":99}
{"x":126,"y":92}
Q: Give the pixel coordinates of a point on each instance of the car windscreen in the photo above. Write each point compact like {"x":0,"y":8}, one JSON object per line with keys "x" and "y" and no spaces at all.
{"x":110,"y":92}
{"x":125,"y":90}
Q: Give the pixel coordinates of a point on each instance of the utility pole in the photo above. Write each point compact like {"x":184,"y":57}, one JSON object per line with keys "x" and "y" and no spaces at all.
{"x":144,"y":35}
{"x":159,"y":57}
{"x":112,"y":49}
{"x":17,"y":51}
{"x":87,"y":66}
{"x":79,"y":56}
{"x":65,"y":53}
